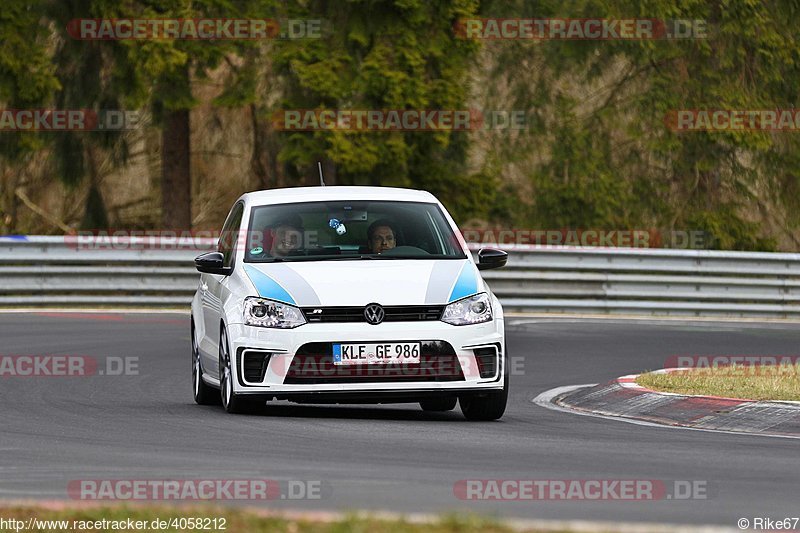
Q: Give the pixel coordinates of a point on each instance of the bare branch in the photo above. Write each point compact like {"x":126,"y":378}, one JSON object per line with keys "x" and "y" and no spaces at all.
{"x":41,"y":212}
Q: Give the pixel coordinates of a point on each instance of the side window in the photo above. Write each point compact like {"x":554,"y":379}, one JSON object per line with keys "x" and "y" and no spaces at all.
{"x":230,"y":234}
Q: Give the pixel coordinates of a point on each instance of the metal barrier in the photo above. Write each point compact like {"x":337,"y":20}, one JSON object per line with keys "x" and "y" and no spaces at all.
{"x":56,"y":271}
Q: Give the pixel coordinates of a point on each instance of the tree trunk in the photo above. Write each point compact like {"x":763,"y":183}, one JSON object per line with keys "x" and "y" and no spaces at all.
{"x":264,"y":161}
{"x":8,"y":209}
{"x":95,"y":216}
{"x":176,"y":180}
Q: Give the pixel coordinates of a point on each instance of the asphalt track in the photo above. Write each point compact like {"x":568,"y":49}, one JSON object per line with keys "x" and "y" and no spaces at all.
{"x":145,"y":426}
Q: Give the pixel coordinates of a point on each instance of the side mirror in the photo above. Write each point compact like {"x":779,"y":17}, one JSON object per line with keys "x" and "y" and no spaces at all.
{"x":491,"y":258}
{"x":212,"y":263}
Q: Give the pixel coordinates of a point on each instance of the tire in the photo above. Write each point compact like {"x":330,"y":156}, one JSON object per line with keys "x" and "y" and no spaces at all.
{"x":490,"y":406}
{"x":232,"y":403}
{"x":204,"y":394}
{"x":438,"y":404}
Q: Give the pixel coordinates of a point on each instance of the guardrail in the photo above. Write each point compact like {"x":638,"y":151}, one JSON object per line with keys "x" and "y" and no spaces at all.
{"x":56,"y":271}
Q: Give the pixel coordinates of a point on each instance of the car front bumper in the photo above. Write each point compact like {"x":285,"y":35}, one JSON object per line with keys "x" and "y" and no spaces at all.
{"x":281,"y":346}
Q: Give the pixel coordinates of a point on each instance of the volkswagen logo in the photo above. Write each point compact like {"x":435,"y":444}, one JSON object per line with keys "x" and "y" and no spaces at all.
{"x":374,"y":313}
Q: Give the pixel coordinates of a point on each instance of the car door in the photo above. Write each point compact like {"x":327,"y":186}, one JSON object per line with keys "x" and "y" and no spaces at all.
{"x":212,"y":289}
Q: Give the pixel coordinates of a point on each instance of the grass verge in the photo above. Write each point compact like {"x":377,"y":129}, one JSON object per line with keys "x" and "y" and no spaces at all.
{"x":745,"y":382}
{"x":80,"y":519}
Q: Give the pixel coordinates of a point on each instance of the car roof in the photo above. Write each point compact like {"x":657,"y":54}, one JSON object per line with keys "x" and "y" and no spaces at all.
{"x":336,"y":192}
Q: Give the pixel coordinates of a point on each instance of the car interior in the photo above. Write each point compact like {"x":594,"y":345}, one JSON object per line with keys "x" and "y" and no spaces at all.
{"x":340,"y":229}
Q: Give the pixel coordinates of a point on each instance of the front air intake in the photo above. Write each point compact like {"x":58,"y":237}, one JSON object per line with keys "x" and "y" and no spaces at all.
{"x":487,"y":361}
{"x":254,"y":365}
{"x":313,"y":365}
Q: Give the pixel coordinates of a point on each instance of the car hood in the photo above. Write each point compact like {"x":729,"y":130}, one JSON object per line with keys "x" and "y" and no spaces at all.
{"x":360,"y":282}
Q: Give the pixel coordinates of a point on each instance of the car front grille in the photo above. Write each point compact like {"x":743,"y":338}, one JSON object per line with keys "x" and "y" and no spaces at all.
{"x":395,"y":313}
{"x":313,"y":364}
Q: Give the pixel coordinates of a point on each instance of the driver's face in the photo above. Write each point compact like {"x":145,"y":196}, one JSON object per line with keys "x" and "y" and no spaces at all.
{"x":382,"y":239}
{"x":284,"y":240}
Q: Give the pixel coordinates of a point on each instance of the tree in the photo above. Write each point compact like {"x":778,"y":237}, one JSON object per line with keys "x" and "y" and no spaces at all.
{"x":173,"y":99}
{"x":603,"y":155}
{"x":27,"y":80}
{"x":385,"y":55}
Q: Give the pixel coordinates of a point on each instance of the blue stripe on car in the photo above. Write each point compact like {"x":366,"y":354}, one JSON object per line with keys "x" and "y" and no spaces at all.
{"x":268,"y":287}
{"x":466,"y":284}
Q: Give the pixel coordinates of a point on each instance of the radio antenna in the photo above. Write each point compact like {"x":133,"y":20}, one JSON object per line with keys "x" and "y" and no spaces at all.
{"x":321,"y":180}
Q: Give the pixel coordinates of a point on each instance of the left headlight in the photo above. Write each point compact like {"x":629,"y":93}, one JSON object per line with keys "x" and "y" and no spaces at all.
{"x":470,"y":310}
{"x":271,"y":314}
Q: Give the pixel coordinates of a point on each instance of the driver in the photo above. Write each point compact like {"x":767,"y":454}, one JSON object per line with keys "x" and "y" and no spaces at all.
{"x":287,"y":236}
{"x":381,"y":235}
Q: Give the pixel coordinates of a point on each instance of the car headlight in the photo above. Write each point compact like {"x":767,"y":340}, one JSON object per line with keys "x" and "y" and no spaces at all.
{"x":271,"y":314}
{"x":470,"y":310}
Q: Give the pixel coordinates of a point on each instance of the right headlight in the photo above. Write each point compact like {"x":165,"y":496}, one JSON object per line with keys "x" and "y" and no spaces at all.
{"x":271,"y":314}
{"x":470,"y":310}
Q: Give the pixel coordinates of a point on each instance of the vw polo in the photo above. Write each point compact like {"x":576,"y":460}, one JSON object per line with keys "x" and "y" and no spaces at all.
{"x":347,"y":295}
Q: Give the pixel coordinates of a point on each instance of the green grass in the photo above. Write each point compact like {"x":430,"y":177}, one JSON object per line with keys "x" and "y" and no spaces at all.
{"x":750,"y":383}
{"x":250,"y":520}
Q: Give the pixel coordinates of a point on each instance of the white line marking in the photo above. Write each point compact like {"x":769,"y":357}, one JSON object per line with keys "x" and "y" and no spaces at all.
{"x":665,"y":318}
{"x":651,"y":318}
{"x":110,"y":310}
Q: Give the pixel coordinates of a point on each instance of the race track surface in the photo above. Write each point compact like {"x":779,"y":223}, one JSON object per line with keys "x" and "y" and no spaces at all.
{"x":146,"y":426}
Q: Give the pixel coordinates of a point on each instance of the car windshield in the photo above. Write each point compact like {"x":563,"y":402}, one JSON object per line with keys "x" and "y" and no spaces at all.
{"x":343,"y":230}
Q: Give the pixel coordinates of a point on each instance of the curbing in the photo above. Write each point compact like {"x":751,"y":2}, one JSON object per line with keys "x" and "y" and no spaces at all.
{"x":630,"y":382}
{"x":626,"y":399}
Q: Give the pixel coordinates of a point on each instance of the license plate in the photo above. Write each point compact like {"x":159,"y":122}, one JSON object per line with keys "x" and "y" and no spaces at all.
{"x":406,"y":353}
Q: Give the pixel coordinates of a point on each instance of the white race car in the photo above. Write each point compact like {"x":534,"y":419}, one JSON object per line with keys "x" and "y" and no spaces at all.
{"x":347,"y":295}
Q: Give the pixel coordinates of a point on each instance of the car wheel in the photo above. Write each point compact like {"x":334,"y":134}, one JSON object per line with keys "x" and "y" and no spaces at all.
{"x":204,"y":394}
{"x":439,"y":404}
{"x":231,"y":402}
{"x":490,"y":406}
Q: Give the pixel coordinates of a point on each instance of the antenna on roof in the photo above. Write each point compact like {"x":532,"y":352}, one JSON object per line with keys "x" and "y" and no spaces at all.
{"x":321,"y":180}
